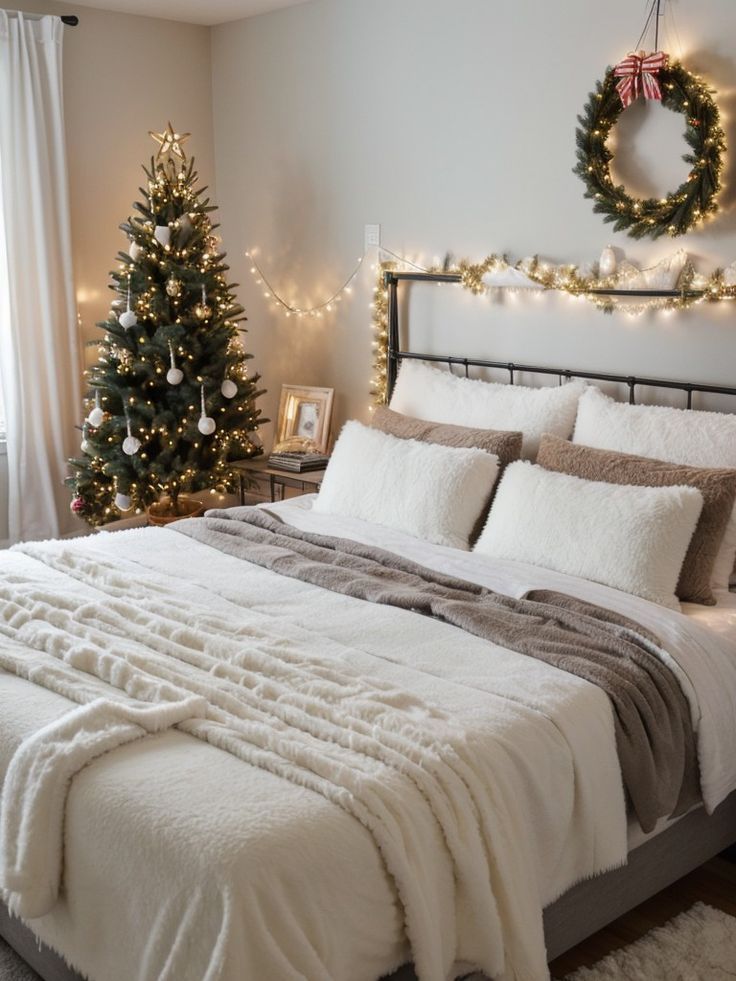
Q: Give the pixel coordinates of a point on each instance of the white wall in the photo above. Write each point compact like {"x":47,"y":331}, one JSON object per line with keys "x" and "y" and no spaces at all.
{"x":451,"y":124}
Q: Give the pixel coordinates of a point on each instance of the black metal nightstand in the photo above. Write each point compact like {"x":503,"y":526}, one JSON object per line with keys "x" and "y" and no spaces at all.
{"x":278,"y":480}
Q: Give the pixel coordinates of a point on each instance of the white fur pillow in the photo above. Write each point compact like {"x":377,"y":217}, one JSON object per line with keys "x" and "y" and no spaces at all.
{"x":432,"y":492}
{"x":688,"y":436}
{"x":437,"y":395}
{"x":631,"y":538}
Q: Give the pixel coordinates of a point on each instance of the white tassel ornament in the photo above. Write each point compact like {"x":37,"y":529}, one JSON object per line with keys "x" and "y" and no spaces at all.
{"x":97,"y":415}
{"x":174,"y":376}
{"x":128,"y":319}
{"x":206,"y":424}
{"x":131,"y":443}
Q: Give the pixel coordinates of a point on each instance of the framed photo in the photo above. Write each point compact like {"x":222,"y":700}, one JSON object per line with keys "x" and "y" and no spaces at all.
{"x":305,"y":415}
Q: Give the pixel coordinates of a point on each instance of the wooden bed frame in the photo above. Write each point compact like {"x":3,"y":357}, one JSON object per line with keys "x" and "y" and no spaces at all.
{"x":591,"y":905}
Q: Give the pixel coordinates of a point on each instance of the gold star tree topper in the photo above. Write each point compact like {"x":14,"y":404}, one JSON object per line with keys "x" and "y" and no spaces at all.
{"x":170,"y":142}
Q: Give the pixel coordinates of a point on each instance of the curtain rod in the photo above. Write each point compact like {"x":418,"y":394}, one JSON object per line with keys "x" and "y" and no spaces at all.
{"x":71,"y":20}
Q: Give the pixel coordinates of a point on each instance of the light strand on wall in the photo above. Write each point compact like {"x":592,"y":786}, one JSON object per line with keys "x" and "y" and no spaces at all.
{"x":318,"y":309}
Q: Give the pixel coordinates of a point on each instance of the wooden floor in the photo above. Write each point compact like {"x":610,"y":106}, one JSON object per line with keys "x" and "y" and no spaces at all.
{"x":713,"y":883}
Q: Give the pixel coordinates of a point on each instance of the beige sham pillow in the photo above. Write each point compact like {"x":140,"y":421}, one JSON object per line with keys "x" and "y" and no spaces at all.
{"x":505,"y":445}
{"x":718,"y":487}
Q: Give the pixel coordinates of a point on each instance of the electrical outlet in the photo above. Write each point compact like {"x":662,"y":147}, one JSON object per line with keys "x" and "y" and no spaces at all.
{"x":372,"y":236}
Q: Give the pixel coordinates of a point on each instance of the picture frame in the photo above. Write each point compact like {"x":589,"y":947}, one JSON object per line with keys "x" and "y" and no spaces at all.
{"x":305,"y":417}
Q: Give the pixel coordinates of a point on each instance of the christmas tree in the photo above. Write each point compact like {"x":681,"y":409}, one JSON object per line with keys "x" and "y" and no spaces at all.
{"x":171,"y":401}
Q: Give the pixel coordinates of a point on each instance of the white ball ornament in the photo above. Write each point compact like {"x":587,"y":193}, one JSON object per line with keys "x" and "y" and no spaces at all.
{"x":122,"y":502}
{"x":85,"y":446}
{"x":135,"y":251}
{"x":607,"y":263}
{"x":174,"y":376}
{"x":228,"y":388}
{"x":131,"y":445}
{"x":96,"y":417}
{"x":128,"y":319}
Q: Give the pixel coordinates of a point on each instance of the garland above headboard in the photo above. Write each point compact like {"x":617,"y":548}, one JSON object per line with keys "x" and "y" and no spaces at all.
{"x":394,"y":353}
{"x":606,"y":292}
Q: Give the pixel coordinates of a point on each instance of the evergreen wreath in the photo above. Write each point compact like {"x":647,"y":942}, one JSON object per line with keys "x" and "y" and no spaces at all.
{"x":681,"y":210}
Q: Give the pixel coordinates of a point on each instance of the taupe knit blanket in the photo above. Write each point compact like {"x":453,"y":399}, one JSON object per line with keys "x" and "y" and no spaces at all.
{"x":654,"y":731}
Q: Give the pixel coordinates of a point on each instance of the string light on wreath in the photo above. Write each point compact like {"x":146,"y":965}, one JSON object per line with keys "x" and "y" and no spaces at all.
{"x":655,"y":77}
{"x":681,"y":91}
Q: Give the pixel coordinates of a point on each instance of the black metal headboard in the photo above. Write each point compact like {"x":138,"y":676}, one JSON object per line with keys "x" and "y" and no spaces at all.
{"x":395,"y":355}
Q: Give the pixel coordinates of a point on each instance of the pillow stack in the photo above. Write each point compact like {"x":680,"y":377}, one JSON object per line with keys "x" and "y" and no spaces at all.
{"x":643,"y":499}
{"x":717,"y":487}
{"x":631,"y":538}
{"x":689,"y":437}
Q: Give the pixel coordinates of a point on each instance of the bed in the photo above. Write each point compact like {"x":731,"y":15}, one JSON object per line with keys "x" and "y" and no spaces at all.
{"x":166,"y":857}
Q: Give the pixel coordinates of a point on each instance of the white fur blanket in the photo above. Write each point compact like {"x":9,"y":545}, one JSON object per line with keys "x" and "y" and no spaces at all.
{"x":484,"y":800}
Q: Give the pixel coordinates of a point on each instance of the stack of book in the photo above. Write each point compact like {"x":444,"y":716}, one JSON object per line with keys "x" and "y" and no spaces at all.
{"x":298,"y":462}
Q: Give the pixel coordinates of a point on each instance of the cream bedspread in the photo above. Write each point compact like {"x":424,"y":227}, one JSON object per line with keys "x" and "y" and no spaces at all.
{"x":182,"y":862}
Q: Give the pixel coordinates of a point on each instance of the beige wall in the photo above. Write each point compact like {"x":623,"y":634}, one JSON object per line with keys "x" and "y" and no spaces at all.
{"x":451,"y":124}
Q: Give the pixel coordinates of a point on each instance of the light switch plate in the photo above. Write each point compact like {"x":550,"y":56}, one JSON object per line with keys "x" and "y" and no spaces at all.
{"x":372,"y":236}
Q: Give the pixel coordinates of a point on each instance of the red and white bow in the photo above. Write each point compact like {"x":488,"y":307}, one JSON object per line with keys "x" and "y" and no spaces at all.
{"x":638,"y":74}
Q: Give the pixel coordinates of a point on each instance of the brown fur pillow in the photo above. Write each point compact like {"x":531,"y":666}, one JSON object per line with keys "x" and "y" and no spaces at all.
{"x":718,"y":488}
{"x":506,"y":446}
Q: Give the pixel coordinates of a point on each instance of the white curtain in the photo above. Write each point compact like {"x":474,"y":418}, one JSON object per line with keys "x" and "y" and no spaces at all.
{"x":39,"y":350}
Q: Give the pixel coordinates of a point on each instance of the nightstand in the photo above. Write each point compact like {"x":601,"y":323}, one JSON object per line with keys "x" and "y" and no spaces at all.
{"x":278,"y":480}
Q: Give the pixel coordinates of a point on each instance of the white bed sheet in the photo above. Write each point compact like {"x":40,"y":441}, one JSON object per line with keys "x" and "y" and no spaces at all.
{"x":721,"y":618}
{"x":130,"y":790}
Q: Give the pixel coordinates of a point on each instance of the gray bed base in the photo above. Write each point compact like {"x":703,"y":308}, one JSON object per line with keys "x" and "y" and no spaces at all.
{"x":580,"y":912}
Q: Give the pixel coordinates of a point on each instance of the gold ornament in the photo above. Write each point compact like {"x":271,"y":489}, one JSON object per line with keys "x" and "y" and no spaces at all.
{"x":170,"y":142}
{"x":202,"y":311}
{"x":173,"y":286}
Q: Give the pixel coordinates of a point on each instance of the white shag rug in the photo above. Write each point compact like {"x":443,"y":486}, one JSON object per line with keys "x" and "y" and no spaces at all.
{"x":698,"y":945}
